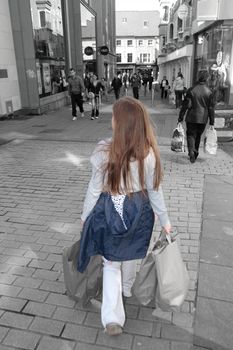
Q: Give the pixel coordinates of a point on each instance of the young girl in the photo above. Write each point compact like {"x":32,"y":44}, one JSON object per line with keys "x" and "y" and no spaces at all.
{"x":123,"y":195}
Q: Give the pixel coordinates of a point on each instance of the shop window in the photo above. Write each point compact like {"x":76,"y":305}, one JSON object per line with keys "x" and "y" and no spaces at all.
{"x":118,"y":57}
{"x":49,"y":46}
{"x":171,"y":31}
{"x":129,"y":57}
{"x":144,"y":58}
{"x":42,"y":19}
{"x":213,"y":53}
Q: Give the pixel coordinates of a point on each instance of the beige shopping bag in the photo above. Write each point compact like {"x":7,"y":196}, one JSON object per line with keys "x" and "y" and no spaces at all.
{"x":172,"y":275}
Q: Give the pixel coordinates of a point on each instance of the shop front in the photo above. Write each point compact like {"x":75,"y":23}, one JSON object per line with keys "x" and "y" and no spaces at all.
{"x":213,"y":52}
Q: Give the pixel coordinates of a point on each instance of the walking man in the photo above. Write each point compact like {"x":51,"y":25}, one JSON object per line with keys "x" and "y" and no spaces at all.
{"x":199,"y":101}
{"x":76,"y":91}
{"x":135,"y":83}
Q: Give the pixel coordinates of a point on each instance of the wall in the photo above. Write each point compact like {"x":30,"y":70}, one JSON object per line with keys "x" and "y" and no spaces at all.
{"x":9,"y":87}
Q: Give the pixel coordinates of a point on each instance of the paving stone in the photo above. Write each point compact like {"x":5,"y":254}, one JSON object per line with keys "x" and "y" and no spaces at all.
{"x":74,"y":316}
{"x":80,"y":333}
{"x":21,"y":339}
{"x":213,"y":324}
{"x":47,"y":275}
{"x":47,"y":326}
{"x":3,"y":332}
{"x":216,"y":251}
{"x":53,"y":286}
{"x":27,"y":282}
{"x":145,"y":343}
{"x":122,"y":341}
{"x":49,"y":343}
{"x":82,"y":346}
{"x":12,"y":304}
{"x":33,"y":294}
{"x":216,"y":229}
{"x":21,"y":271}
{"x":12,"y":319}
{"x":61,"y":300}
{"x":213,"y":282}
{"x":6,"y":278}
{"x":41,"y":264}
{"x":174,"y":332}
{"x":138,"y":327}
{"x":10,"y":291}
{"x":183,"y":320}
{"x":39,"y":309}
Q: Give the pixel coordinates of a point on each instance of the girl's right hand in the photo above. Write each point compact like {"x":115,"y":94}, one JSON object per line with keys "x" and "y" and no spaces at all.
{"x":167,"y":229}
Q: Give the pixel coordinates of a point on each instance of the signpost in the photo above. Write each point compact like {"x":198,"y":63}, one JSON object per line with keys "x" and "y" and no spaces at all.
{"x":88,"y":51}
{"x":104,"y":50}
{"x":183,"y":11}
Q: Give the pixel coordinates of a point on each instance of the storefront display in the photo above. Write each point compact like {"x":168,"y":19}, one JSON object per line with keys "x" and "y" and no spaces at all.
{"x":213,"y":53}
{"x":49,"y":46}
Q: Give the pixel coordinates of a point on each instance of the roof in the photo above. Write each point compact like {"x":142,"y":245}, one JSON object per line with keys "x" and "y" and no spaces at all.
{"x":135,"y":23}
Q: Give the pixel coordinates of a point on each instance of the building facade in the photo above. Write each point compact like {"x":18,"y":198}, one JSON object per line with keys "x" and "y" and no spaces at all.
{"x":175,"y":40}
{"x":198,"y":35}
{"x":137,"y":40}
{"x":42,"y":39}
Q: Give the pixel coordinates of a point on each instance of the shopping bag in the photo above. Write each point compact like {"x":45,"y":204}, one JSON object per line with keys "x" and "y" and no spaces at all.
{"x":172,"y":98}
{"x":81,"y":286}
{"x":172,"y":275}
{"x":145,"y":284}
{"x":210,"y":141}
{"x":178,"y":139}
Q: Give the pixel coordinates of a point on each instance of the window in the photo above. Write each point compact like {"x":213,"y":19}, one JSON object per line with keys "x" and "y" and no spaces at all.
{"x":144,"y":57}
{"x":129,"y":57}
{"x":118,"y":42}
{"x":42,"y":19}
{"x":145,"y":23}
{"x":129,"y":42}
{"x":124,"y":20}
{"x":118,"y":57}
{"x":140,"y":42}
{"x":150,"y":42}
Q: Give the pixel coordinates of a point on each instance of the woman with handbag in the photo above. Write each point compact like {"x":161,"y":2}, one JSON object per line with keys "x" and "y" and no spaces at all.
{"x":123,"y":196}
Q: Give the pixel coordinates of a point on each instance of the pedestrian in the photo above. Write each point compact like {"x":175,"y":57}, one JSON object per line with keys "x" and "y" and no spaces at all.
{"x":87,"y":81}
{"x":136,"y":84}
{"x":164,"y":86}
{"x":199,"y":103}
{"x":145,"y":80}
{"x":95,"y":88}
{"x":76,"y":91}
{"x":179,"y":88}
{"x":116,"y":85}
{"x":151,"y":79}
{"x":126,"y":174}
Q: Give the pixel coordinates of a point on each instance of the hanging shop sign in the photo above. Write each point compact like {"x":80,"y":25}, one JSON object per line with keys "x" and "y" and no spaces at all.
{"x":104,"y":50}
{"x":88,"y":51}
{"x":183,"y":11}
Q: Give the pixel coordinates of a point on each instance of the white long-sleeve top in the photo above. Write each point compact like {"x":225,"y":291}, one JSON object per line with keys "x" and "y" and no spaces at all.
{"x":99,"y":158}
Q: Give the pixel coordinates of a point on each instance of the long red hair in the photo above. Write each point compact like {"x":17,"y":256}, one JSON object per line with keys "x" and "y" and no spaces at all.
{"x":133,"y":138}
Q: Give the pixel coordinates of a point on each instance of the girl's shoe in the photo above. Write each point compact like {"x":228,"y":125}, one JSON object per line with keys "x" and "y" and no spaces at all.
{"x":113,"y":329}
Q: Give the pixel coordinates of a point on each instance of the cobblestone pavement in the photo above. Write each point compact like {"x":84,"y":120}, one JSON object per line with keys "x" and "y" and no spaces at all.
{"x":42,"y":187}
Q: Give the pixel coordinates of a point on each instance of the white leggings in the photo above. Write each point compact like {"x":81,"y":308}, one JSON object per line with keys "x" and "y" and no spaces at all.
{"x":118,"y":277}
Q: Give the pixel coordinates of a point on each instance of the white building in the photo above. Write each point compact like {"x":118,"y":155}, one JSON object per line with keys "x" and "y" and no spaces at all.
{"x":137,"y":40}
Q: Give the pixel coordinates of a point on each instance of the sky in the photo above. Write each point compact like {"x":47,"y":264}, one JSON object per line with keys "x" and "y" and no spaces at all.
{"x":136,"y":5}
